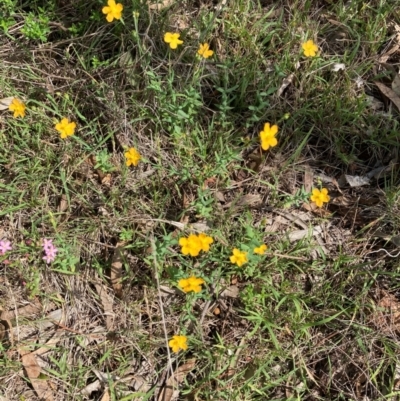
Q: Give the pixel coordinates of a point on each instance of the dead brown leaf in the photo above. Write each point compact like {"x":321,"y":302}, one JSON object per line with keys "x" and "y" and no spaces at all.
{"x":26,"y":311}
{"x":308,"y":179}
{"x":396,"y":84}
{"x":107,"y":302}
{"x":171,"y":385}
{"x":63,"y":205}
{"x":116,"y":269}
{"x":33,"y":371}
{"x":285,"y":83}
{"x":389,"y":93}
{"x":106,"y":180}
{"x":232,"y":292}
{"x":386,"y":316}
{"x":106,"y":395}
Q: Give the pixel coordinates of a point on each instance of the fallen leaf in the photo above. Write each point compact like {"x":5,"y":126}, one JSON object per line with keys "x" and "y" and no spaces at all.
{"x":106,"y":395}
{"x":387,"y":314}
{"x":232,"y":292}
{"x":90,"y":388}
{"x":338,"y":66}
{"x":106,"y":180}
{"x":25,"y":311}
{"x":396,"y":84}
{"x":33,"y":371}
{"x":389,"y":93}
{"x":353,"y":180}
{"x":107,"y":302}
{"x":385,"y":57}
{"x":166,"y":291}
{"x":63,"y":205}
{"x":160,"y":5}
{"x":308,"y":179}
{"x":285,"y":83}
{"x":5,"y":103}
{"x":49,"y":346}
{"x":300,"y":234}
{"x":170,"y":388}
{"x":116,"y":269}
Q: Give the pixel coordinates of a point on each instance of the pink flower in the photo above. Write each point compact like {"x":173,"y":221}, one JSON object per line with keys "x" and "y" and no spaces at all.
{"x":47,"y":244}
{"x":5,"y":246}
{"x":50,"y":250}
{"x":49,"y":258}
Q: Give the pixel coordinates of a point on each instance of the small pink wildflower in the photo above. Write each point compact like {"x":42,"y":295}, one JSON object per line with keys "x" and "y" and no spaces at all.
{"x":50,"y":250}
{"x":5,"y":246}
{"x":47,"y":244}
{"x":49,"y":258}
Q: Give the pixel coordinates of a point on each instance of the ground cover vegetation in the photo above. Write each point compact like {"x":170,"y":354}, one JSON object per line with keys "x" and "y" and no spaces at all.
{"x":199,"y":200}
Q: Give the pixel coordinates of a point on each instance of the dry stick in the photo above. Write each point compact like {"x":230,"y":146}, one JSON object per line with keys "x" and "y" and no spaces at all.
{"x":153,"y":251}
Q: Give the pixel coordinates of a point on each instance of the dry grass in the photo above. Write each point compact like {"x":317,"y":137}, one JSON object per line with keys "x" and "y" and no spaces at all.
{"x":317,"y":319}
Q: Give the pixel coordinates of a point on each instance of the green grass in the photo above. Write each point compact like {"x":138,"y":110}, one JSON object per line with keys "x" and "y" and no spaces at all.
{"x":309,"y":321}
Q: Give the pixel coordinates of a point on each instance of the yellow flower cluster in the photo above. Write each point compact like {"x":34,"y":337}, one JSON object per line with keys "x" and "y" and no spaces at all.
{"x":191,"y":284}
{"x":239,"y":257}
{"x":67,"y":128}
{"x":172,"y":38}
{"x":193,"y":244}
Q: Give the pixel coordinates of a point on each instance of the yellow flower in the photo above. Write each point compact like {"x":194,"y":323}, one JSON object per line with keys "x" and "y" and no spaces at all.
{"x":205,"y":51}
{"x":239,"y":257}
{"x":113,"y":10}
{"x":320,"y":197}
{"x":172,"y":39}
{"x":17,"y":107}
{"x":267,"y":136}
{"x":191,"y":245}
{"x":310,"y":48}
{"x":132,"y":157}
{"x":177,"y":343}
{"x":191,"y":284}
{"x":260,"y":250}
{"x":206,"y":241}
{"x":65,"y":128}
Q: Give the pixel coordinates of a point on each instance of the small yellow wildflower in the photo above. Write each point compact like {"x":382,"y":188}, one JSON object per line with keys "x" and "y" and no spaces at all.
{"x":310,"y":48}
{"x":206,"y":241}
{"x":191,"y":284}
{"x":177,"y":343}
{"x":260,"y":250}
{"x":320,"y":197}
{"x":205,"y":51}
{"x":17,"y":107}
{"x":132,"y":157}
{"x":172,"y":39}
{"x":267,"y":136}
{"x":65,"y":128}
{"x":238,"y":257}
{"x":113,"y":10}
{"x":191,"y":245}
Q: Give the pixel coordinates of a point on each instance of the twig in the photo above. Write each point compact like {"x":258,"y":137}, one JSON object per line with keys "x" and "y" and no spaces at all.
{"x":384,"y":250}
